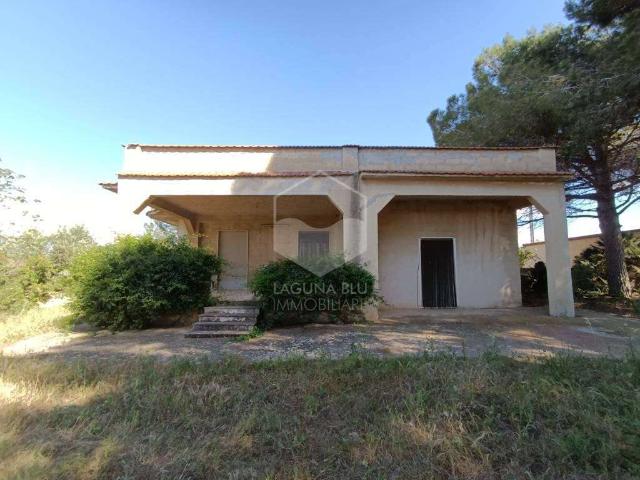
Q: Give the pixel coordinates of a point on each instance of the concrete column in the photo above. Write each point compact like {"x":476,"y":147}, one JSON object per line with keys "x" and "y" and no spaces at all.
{"x":559,"y":284}
{"x":352,"y":205}
{"x":370,"y":256}
{"x":374,"y":206}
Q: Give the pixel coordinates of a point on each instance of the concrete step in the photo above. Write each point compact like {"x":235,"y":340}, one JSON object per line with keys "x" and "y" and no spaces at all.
{"x":231,"y":310}
{"x":220,"y":318}
{"x":212,"y":326}
{"x":214,"y":333}
{"x":245,"y":303}
{"x":224,"y":321}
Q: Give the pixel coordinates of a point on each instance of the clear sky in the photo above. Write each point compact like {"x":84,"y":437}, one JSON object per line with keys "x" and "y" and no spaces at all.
{"x":78,"y":79}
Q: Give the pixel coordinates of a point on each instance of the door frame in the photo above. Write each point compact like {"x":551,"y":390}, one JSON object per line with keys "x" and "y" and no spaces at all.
{"x":455,"y":269}
{"x":219,"y":231}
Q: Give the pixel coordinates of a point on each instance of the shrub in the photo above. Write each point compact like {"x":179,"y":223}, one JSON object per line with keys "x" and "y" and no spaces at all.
{"x":534,"y":284}
{"x":590,"y":272}
{"x":135,"y":280}
{"x":526,"y":256}
{"x":35,"y":267}
{"x":291,"y":293}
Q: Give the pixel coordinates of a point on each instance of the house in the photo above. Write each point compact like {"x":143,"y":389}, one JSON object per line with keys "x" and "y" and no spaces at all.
{"x":577,"y":245}
{"x":436,"y":226}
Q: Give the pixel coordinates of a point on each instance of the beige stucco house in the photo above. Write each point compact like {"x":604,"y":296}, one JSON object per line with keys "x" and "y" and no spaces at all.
{"x":577,"y":245}
{"x":437,"y":227}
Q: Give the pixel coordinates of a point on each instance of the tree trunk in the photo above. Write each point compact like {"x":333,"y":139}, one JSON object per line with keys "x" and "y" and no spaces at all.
{"x":617,"y":275}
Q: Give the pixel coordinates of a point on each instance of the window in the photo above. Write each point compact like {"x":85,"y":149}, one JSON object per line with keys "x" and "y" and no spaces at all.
{"x":313,"y":244}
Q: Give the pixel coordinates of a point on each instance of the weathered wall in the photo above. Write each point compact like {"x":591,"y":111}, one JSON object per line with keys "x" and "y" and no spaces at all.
{"x":261,"y":238}
{"x":148,"y":159}
{"x":487,"y":271}
{"x":446,"y":160}
{"x":577,"y":245}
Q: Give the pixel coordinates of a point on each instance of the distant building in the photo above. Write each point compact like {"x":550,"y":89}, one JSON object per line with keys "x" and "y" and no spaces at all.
{"x":577,"y":245}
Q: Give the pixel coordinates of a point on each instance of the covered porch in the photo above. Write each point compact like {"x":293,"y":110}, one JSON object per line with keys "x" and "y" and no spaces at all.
{"x":477,"y":216}
{"x":251,"y":230}
{"x":374,"y":214}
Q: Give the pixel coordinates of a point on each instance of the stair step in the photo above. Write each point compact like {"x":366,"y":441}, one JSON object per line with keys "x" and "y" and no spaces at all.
{"x":231,"y":310}
{"x":235,"y":303}
{"x":224,"y":321}
{"x":207,"y":317}
{"x":211,"y":326}
{"x":214,"y":333}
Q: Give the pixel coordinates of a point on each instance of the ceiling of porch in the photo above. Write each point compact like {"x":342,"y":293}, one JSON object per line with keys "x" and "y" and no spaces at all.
{"x":223,"y":207}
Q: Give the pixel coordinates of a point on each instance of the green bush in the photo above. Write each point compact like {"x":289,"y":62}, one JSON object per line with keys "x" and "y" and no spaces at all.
{"x":290,"y":293}
{"x":136,"y":280}
{"x":590,"y":272}
{"x":35,"y":267}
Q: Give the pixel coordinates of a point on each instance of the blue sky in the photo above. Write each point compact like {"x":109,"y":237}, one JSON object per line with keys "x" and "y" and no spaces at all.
{"x":79,"y":79}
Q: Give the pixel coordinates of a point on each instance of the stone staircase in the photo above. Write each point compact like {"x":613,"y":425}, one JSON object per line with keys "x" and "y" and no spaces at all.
{"x":226,"y":320}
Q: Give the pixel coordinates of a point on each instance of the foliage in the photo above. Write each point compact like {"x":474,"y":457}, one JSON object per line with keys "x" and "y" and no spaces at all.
{"x":432,"y":416}
{"x":534,"y":285}
{"x":160,"y":230}
{"x":285,"y":287}
{"x":525,"y":256}
{"x":589,"y":270}
{"x":12,"y":194}
{"x":36,"y":321}
{"x":10,"y":191}
{"x":34,"y":266}
{"x":576,"y":88}
{"x":603,"y":13}
{"x":136,"y":280}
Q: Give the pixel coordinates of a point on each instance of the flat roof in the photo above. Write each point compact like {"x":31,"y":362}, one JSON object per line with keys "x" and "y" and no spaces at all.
{"x":370,"y":147}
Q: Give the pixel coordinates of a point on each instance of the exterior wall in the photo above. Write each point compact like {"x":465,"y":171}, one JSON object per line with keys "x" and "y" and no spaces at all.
{"x":228,"y":160}
{"x":287,"y":234}
{"x":576,"y":247}
{"x":487,"y":271}
{"x":261,"y":239}
{"x":159,"y":160}
{"x":446,"y":160}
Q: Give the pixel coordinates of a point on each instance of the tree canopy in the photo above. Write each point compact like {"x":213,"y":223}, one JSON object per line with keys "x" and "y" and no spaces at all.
{"x":576,"y":88}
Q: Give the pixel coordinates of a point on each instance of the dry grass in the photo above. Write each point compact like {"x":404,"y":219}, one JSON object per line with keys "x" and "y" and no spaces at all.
{"x":427,"y":417}
{"x":32,"y":322}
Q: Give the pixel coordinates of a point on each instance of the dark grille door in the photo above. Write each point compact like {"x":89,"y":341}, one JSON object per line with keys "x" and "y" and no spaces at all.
{"x":438,"y":273}
{"x":312,"y":245}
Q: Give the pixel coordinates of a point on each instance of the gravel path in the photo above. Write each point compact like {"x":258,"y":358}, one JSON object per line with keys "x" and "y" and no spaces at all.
{"x":517,"y":332}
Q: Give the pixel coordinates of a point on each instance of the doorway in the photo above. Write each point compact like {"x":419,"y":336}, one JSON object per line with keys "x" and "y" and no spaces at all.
{"x":233,"y":247}
{"x":438,"y":273}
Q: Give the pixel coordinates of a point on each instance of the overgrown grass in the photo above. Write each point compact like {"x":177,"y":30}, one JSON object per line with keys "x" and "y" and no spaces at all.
{"x":429,"y":417}
{"x":14,"y":327}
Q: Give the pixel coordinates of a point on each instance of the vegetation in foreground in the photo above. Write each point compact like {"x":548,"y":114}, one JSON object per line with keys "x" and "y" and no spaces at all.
{"x":361,"y":417}
{"x":291,"y":293}
{"x":136,"y":281}
{"x":38,"y":320}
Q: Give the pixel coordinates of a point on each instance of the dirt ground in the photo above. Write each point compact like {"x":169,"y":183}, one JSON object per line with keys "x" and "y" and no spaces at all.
{"x":523,"y":332}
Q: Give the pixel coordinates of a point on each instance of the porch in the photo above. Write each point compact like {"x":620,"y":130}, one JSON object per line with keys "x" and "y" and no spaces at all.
{"x":252,"y":230}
